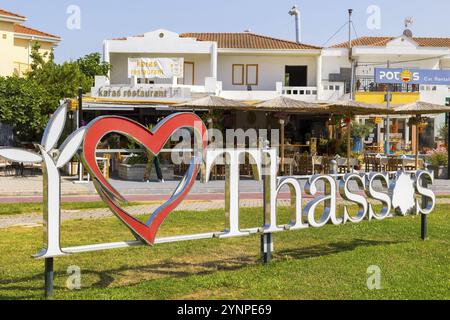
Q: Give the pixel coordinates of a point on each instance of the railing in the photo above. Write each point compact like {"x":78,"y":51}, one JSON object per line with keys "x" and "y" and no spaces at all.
{"x":303,"y":93}
{"x":332,"y":91}
{"x":368,"y":84}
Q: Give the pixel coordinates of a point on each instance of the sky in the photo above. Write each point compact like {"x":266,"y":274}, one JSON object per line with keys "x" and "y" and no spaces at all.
{"x":320,"y":19}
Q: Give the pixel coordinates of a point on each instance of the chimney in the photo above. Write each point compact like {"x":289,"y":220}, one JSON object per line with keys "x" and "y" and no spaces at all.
{"x":296,"y":13}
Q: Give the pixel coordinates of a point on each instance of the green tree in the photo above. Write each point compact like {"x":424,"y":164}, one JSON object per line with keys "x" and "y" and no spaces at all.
{"x":91,"y":66}
{"x":62,"y":80}
{"x":65,"y":79}
{"x":26,"y":105}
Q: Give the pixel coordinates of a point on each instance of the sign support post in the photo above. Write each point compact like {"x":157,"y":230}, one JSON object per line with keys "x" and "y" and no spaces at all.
{"x":48,"y":278}
{"x":266,"y":247}
{"x":423,"y":217}
{"x":266,"y":238}
{"x":387,"y":131}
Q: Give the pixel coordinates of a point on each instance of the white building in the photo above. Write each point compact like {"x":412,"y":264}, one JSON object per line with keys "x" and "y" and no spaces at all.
{"x":252,"y":67}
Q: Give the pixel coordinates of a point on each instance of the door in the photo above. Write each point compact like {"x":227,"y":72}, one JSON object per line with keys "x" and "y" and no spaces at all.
{"x":296,"y":76}
{"x":189,"y":70}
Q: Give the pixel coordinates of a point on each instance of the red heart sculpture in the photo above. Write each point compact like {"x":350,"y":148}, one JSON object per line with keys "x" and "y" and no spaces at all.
{"x":154,"y":141}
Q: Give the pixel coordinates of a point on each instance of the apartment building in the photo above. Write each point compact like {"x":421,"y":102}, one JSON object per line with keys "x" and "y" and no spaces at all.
{"x":16,"y":42}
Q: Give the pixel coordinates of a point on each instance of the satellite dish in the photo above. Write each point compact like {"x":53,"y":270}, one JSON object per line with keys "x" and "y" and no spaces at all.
{"x":408,"y":22}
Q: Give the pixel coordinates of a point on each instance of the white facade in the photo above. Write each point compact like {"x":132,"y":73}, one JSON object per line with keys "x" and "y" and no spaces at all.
{"x":209,"y":69}
{"x":225,"y":71}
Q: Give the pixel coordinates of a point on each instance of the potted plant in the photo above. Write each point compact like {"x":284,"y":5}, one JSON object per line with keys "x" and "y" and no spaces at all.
{"x":134,"y":167}
{"x":438,"y":162}
{"x":360,"y":132}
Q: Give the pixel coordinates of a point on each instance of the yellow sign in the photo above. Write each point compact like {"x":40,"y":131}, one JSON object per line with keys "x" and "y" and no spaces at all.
{"x":73,"y":105}
{"x":163,"y":68}
{"x":378,"y":120}
{"x":406,"y":76}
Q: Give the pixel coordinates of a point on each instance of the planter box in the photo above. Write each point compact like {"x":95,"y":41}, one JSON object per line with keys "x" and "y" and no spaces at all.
{"x":167,"y":172}
{"x":132,"y":172}
{"x":440,"y":172}
{"x":136,"y":172}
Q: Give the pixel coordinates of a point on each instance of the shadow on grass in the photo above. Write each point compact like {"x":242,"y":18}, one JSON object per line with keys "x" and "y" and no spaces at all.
{"x":174,"y":269}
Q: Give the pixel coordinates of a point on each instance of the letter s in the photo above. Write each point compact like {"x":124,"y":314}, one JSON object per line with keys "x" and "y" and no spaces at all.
{"x":424,"y":191}
{"x":383,"y":197}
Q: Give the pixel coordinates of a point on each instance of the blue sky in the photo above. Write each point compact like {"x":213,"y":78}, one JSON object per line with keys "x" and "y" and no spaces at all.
{"x":104,"y":19}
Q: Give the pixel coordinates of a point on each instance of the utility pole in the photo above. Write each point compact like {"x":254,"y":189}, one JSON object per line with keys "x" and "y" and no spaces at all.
{"x":350,"y":54}
{"x":387,"y":131}
{"x":80,"y":107}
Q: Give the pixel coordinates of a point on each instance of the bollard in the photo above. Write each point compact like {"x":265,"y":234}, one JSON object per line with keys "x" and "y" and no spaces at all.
{"x":48,"y":278}
{"x":423,"y":218}
{"x":266,"y":238}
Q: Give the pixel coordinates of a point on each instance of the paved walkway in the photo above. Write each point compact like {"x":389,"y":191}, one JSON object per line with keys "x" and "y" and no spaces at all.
{"x":29,"y":189}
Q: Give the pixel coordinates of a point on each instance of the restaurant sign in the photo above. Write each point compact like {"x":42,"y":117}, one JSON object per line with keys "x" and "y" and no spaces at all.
{"x":412,"y":76}
{"x":150,"y":68}
{"x":377,"y":195}
{"x":142,"y":92}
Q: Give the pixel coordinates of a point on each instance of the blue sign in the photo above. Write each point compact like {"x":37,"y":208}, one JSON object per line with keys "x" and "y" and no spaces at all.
{"x":412,"y":76}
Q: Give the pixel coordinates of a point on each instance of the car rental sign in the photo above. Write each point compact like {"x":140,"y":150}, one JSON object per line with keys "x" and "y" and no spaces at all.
{"x":412,"y":76}
{"x":378,"y":195}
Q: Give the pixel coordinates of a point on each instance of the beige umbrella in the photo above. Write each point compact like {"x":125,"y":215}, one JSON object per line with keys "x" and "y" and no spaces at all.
{"x":214,"y":102}
{"x":358,"y":108}
{"x":420,"y":108}
{"x":288,"y":105}
{"x":285,"y":104}
{"x":349,"y":107}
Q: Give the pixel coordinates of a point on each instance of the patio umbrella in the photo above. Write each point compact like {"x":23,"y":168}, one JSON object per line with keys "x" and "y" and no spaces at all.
{"x":349,"y":107}
{"x":285,"y":104}
{"x":288,"y":105}
{"x":419,"y":108}
{"x":213,"y":102}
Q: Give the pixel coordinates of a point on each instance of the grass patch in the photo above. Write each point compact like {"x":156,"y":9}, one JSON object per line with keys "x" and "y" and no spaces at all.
{"x":27,"y":208}
{"x":326,"y":263}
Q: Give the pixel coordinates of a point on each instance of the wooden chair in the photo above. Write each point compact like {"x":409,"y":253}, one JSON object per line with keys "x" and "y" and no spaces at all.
{"x":394,"y":163}
{"x":305,"y":165}
{"x":5,"y":166}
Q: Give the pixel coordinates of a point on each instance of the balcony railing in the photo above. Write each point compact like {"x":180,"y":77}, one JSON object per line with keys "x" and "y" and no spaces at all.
{"x":300,"y":92}
{"x":368,"y":84}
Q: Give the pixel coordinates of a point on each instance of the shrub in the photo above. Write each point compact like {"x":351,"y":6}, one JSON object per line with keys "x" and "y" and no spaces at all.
{"x":438,"y":157}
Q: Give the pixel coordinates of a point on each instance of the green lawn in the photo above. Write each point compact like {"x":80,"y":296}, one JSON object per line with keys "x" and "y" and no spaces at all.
{"x":326,"y":263}
{"x":23,"y":208}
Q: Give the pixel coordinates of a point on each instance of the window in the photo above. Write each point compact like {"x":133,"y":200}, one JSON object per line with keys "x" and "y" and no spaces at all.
{"x":252,"y":74}
{"x":188,"y":73}
{"x":238,"y":74}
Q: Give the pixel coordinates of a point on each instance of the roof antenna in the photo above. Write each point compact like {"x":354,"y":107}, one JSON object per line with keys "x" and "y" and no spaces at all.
{"x":408,"y":22}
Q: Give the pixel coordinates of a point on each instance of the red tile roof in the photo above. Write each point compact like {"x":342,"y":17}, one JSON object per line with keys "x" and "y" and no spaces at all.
{"x":33,"y":32}
{"x":10,"y":14}
{"x":382,"y":41}
{"x":244,"y":40}
{"x":247,"y":40}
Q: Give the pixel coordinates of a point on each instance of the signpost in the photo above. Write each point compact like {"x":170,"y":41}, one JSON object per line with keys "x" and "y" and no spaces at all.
{"x":412,"y":76}
{"x":397,"y":194}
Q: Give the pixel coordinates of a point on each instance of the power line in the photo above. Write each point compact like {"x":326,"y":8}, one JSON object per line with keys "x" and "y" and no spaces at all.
{"x":399,"y":61}
{"x":339,"y":30}
{"x":354,"y":30}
